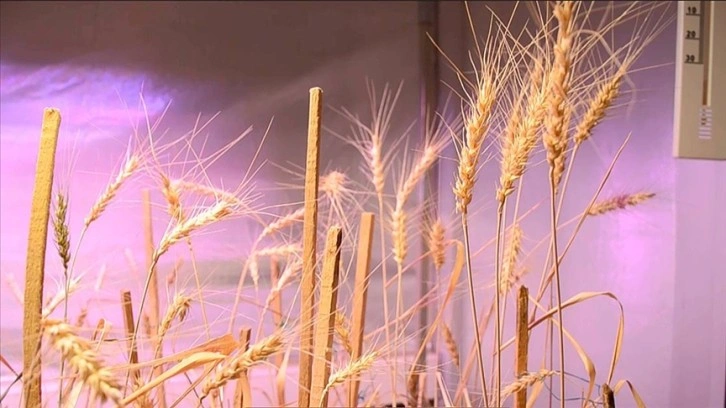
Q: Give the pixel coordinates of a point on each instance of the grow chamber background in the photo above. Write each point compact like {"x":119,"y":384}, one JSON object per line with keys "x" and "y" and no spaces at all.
{"x":251,"y":61}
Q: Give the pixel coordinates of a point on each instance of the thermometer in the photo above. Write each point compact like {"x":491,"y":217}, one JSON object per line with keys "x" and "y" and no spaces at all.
{"x":700,"y":97}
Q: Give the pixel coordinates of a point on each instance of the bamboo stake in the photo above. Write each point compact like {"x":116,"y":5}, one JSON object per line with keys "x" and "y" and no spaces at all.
{"x":153,"y":312}
{"x":522,"y":341}
{"x":360,"y":298}
{"x":243,"y":392}
{"x":310,"y":224}
{"x":128,"y":310}
{"x":35,"y":257}
{"x":326,"y":318}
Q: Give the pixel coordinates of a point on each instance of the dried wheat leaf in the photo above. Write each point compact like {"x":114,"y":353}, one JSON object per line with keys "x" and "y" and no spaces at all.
{"x":188,"y":363}
{"x":638,"y":400}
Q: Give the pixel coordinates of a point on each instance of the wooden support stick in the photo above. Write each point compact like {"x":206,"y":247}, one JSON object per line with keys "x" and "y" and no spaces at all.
{"x":522,"y":343}
{"x":154,"y":310}
{"x":326,"y":318}
{"x":360,"y":298}
{"x":35,"y":257}
{"x":310,"y":225}
{"x":243,"y":392}
{"x":128,"y":310}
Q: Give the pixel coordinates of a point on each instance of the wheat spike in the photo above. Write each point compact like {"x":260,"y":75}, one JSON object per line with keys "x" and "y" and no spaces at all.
{"x":398,"y":233}
{"x":283,"y":222}
{"x":598,"y":105}
{"x":129,"y":168}
{"x":476,"y":126}
{"x":60,"y":230}
{"x":334,"y":184}
{"x":354,"y":368}
{"x":511,"y":254}
{"x":177,"y":309}
{"x":342,"y":329}
{"x":182,"y":230}
{"x":451,"y":346}
{"x":437,"y":244}
{"x":555,"y":135}
{"x":84,"y":359}
{"x":172,"y":195}
{"x":619,"y":202}
{"x":526,"y":380}
{"x":231,"y":370}
{"x":280,"y":250}
{"x":520,"y":137}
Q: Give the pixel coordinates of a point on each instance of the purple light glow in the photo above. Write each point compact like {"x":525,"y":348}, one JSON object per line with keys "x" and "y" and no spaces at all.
{"x":92,"y":100}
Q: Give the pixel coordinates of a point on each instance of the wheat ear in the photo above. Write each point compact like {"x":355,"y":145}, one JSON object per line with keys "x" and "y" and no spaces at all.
{"x":436,"y":242}
{"x":60,"y":230}
{"x":619,"y":202}
{"x":353,"y":369}
{"x":526,"y":380}
{"x":282,"y":222}
{"x":451,"y":346}
{"x":475,"y":129}
{"x":129,"y":168}
{"x":254,"y":355}
{"x":555,"y":142}
{"x":342,"y":329}
{"x":511,"y":254}
{"x":177,"y":309}
{"x":603,"y":99}
{"x":82,"y":356}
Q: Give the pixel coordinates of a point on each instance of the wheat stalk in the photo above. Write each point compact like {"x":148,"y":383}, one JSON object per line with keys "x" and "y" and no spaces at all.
{"x":476,"y":124}
{"x":555,"y":141}
{"x":84,"y":359}
{"x":231,"y":370}
{"x":129,"y":168}
{"x":619,"y":202}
